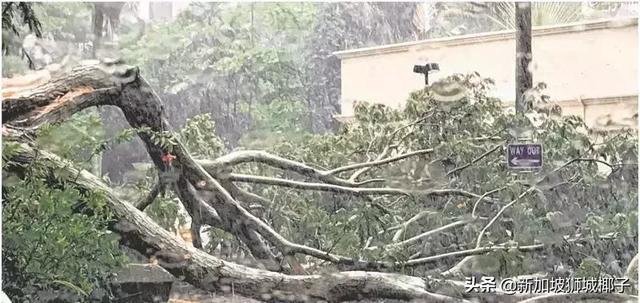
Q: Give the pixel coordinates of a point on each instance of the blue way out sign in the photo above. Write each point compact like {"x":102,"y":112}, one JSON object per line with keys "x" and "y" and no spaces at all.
{"x":526,"y":155}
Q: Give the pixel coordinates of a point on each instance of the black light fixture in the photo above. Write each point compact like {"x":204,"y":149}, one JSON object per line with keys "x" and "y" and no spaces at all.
{"x":426,"y":69}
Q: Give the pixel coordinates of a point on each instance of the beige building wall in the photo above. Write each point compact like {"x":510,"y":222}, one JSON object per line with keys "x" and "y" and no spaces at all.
{"x":161,"y":10}
{"x":591,"y":69}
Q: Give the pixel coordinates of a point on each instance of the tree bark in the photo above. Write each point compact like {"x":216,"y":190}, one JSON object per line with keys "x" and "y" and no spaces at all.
{"x":98,"y":85}
{"x":207,"y":272}
{"x":208,"y":201}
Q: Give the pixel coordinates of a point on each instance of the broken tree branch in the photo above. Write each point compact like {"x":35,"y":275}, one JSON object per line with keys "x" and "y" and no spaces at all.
{"x":257,"y":156}
{"x":142,"y":109}
{"x":423,"y":235}
{"x":149,"y":198}
{"x":352,"y":190}
{"x":457,"y":169}
{"x":212,"y":274}
{"x":338,"y":170}
{"x":493,"y":220}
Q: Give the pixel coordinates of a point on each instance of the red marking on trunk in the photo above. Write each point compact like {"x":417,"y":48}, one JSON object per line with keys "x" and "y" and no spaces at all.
{"x":167,"y":159}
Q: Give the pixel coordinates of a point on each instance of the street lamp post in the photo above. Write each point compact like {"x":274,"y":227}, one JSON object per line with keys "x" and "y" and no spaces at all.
{"x":426,"y":69}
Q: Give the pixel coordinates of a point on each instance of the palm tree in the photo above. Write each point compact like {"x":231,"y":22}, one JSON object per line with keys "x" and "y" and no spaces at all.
{"x":542,"y":13}
{"x":450,"y":19}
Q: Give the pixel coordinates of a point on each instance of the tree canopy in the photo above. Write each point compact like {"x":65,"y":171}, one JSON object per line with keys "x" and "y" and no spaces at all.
{"x":399,"y":204}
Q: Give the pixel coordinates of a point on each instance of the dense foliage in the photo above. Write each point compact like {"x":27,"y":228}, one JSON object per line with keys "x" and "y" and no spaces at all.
{"x":51,"y":247}
{"x":235,"y":59}
{"x":583,"y":200}
{"x":227,"y":59}
{"x":262,"y":76}
{"x":15,"y":16}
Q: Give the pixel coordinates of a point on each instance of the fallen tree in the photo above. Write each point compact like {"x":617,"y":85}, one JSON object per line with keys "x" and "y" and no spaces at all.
{"x":137,"y":231}
{"x":208,"y":189}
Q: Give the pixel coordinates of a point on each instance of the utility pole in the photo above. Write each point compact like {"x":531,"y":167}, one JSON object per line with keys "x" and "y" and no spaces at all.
{"x":251,"y":32}
{"x":524,"y":79}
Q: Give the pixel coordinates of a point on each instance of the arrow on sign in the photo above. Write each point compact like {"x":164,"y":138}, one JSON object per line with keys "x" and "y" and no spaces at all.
{"x":524,"y":162}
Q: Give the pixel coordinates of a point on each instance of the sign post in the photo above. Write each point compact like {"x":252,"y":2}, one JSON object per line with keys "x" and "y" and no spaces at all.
{"x":524,"y":155}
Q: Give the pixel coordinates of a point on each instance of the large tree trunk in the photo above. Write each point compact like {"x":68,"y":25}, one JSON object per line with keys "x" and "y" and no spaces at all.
{"x":97,"y":85}
{"x":139,"y":232}
{"x":217,"y":203}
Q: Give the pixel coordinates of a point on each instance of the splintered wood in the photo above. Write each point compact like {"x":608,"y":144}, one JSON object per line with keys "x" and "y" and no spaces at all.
{"x":58,"y":103}
{"x":184,"y":233}
{"x":11,"y":87}
{"x":76,"y":92}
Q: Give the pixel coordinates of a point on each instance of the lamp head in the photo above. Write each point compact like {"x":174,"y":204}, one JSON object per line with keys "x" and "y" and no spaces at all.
{"x":425,"y":69}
